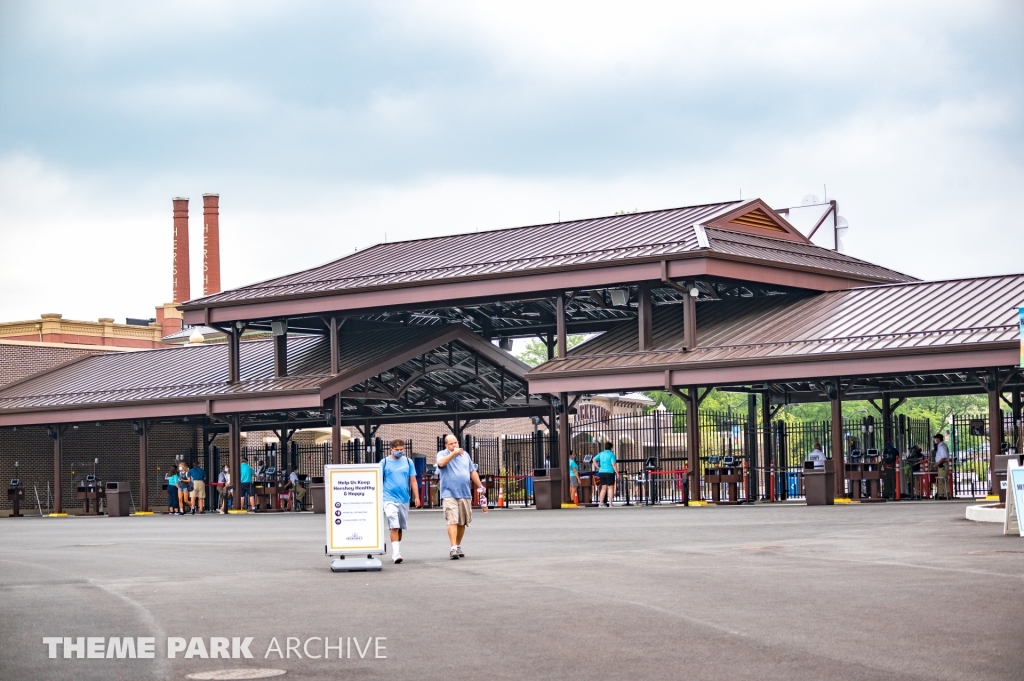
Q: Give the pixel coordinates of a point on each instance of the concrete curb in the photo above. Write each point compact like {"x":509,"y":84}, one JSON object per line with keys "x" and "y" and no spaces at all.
{"x":986,"y":514}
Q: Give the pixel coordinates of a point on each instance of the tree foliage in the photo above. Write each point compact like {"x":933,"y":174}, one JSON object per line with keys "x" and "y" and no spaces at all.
{"x":536,"y":351}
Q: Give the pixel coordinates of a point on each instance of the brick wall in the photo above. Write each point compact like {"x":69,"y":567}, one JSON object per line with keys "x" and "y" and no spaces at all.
{"x":18,"y":361}
{"x":114,"y":444}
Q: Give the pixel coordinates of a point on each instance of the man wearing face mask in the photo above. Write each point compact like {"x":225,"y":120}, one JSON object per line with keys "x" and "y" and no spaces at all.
{"x":399,"y":475}
{"x":224,"y":480}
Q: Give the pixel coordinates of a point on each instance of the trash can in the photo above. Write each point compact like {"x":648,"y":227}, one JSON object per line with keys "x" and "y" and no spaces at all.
{"x":317,"y":495}
{"x":999,"y":475}
{"x":547,"y":488}
{"x":119,"y":500}
{"x":820,"y":486}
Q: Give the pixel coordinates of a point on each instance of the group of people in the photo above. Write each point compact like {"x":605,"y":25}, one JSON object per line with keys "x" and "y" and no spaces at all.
{"x":914,"y":461}
{"x":457,"y":479}
{"x":606,"y":466}
{"x":186,"y":486}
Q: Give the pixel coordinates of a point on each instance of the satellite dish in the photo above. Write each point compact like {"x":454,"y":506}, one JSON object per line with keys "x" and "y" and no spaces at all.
{"x":810,"y":200}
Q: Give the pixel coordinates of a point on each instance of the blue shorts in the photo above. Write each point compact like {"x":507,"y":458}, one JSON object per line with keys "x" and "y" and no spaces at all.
{"x":248,"y":489}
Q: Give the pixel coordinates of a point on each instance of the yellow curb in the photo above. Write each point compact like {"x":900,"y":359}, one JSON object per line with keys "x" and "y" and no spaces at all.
{"x":697,"y":503}
{"x":143,"y":513}
{"x":992,"y":497}
{"x":57,"y":515}
{"x":569,"y":506}
{"x":843,"y":501}
{"x":236,"y":510}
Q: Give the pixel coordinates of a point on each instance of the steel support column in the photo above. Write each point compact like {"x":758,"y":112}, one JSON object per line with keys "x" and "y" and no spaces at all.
{"x":887,"y":434}
{"x":281,"y":355}
{"x":234,"y":350}
{"x":562,"y":340}
{"x":1016,"y":406}
{"x":563,"y":445}
{"x":838,"y":458}
{"x":693,"y":442}
{"x":144,"y":468}
{"x":689,"y":322}
{"x":336,"y":431}
{"x":58,"y":465}
{"x":995,"y":428}
{"x":644,"y":311}
{"x":766,"y":442}
{"x":235,"y":460}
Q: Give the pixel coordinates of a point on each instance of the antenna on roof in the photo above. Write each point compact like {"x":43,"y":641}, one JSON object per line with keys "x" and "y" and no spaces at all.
{"x":741,"y":193}
{"x":825,"y":186}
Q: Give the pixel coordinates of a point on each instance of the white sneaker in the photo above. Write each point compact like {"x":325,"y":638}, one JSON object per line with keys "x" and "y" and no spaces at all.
{"x":397,"y":558}
{"x":453,"y":554}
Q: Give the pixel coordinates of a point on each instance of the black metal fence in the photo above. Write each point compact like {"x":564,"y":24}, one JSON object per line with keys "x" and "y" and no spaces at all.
{"x":651,"y":450}
{"x":969,"y":449}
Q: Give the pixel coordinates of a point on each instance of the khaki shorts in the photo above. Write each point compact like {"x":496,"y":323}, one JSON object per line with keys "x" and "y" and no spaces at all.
{"x":198,"y":489}
{"x":457,"y":511}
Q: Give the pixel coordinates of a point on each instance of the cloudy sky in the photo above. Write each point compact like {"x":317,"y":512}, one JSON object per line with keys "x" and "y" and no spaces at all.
{"x":328,"y":126}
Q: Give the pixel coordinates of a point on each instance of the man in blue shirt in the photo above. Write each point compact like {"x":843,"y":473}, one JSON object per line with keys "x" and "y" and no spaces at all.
{"x":198,"y":477}
{"x":457,"y":472}
{"x":248,"y":488}
{"x":399,"y":474}
{"x":607,"y":468}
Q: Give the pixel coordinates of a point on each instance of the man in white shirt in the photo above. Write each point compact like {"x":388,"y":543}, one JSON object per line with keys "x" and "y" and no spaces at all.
{"x":298,"y":492}
{"x":817,"y":456}
{"x":942,"y":465}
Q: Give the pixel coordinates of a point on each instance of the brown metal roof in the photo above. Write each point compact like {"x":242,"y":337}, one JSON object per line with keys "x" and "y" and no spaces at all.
{"x":903,"y":319}
{"x":434,"y":363}
{"x":664,"y":234}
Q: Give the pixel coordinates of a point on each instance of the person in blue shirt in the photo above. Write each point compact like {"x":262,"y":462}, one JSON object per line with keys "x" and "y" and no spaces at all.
{"x":457,"y":472}
{"x":607,"y":468}
{"x":172,"y":492}
{"x":198,"y":494}
{"x":399,"y":474}
{"x":245,"y":474}
{"x":574,"y":479}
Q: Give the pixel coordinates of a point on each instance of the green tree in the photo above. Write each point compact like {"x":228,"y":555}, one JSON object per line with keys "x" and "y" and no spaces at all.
{"x":536,"y":352}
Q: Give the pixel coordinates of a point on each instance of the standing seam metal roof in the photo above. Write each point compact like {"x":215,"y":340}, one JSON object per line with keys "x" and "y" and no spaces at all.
{"x":889,"y":317}
{"x":576,"y":243}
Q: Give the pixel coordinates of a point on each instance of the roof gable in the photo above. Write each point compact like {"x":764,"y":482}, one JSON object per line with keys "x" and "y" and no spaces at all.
{"x":757,"y":217}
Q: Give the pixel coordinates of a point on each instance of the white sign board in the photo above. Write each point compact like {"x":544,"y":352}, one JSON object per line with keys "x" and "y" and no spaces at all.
{"x":1014,"y":499}
{"x":355,"y":509}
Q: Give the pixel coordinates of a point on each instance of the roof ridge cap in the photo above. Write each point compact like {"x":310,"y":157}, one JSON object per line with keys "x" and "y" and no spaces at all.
{"x":921,"y":282}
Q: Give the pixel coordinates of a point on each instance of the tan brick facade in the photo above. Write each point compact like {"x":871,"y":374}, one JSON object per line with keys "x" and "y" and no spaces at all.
{"x":53,"y":328}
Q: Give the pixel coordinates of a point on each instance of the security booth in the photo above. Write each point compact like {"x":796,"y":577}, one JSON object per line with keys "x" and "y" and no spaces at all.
{"x":15,"y":495}
{"x":90,"y":492}
{"x":864,"y":471}
{"x":118,"y":495}
{"x":724,"y":474}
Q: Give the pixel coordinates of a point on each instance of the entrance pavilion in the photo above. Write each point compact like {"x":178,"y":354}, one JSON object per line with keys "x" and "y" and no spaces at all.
{"x":722,"y":295}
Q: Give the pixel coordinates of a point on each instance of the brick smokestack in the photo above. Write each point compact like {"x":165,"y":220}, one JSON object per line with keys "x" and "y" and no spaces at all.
{"x":182,"y":289}
{"x":211,"y":244}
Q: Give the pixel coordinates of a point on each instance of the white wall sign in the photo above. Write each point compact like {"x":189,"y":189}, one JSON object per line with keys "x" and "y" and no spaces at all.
{"x":354,"y":509}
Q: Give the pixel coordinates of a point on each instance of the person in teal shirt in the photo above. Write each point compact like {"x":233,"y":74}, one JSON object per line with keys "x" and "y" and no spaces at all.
{"x":172,"y":492}
{"x":607,"y":468}
{"x":248,"y":489}
{"x":574,"y":478}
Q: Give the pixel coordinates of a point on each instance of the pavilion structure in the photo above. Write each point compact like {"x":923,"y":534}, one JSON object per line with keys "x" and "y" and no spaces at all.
{"x":726,"y":295}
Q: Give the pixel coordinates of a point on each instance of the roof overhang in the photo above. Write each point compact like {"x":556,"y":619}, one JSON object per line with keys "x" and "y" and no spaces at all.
{"x":469,"y":290}
{"x":284,"y":395}
{"x":643,"y":371}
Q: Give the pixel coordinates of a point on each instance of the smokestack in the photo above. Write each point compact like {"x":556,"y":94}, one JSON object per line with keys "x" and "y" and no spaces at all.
{"x":211,"y":244}
{"x":182,"y":290}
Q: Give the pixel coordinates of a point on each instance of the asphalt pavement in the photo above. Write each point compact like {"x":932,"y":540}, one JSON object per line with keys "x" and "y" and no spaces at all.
{"x":873,"y":592}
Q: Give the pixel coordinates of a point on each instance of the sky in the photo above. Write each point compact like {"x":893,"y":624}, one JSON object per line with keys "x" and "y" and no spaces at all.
{"x":327,"y":127}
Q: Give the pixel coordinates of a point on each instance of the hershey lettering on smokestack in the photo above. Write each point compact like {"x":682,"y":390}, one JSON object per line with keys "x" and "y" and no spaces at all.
{"x":182,"y":290}
{"x":211,"y":244}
